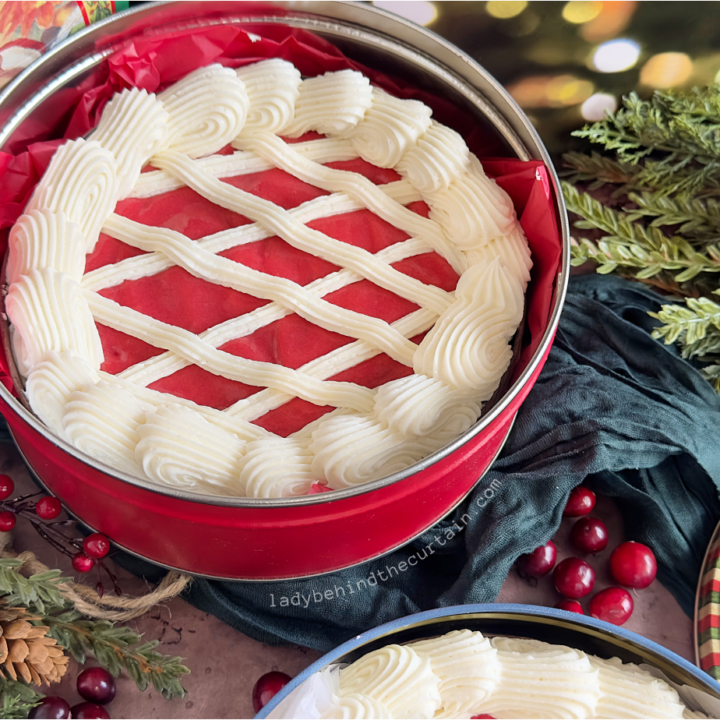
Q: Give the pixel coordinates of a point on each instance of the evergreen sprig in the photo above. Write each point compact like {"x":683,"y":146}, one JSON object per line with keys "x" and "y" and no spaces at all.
{"x":661,"y":222}
{"x":17,"y":698}
{"x":118,"y":648}
{"x":631,"y":244}
{"x":38,"y":592}
{"x":115,"y":648}
{"x":673,"y":140}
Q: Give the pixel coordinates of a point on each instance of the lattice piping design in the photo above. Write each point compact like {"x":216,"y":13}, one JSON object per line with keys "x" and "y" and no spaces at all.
{"x":372,"y":432}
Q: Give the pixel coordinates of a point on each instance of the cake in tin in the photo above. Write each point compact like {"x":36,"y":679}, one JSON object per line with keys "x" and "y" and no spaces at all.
{"x":464,"y":673}
{"x":326,"y":302}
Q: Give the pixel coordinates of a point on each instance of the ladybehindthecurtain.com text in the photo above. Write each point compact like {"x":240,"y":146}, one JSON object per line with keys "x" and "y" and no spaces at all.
{"x":299,"y":599}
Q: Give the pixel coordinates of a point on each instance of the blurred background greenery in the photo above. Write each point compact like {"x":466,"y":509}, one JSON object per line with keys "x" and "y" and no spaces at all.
{"x":566,"y":63}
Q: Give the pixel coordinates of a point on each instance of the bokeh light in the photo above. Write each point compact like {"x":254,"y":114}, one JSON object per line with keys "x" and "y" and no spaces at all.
{"x":580,"y":11}
{"x":666,"y":70}
{"x":505,"y":9}
{"x":613,"y":18}
{"x":616,"y":55}
{"x":551,"y":91}
{"x":595,"y":107}
{"x":422,"y":13}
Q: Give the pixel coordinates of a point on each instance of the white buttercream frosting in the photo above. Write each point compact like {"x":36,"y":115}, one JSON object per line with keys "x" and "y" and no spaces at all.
{"x":415,"y":405}
{"x":468,"y":668}
{"x":102,"y":420}
{"x":501,"y":677}
{"x":472,"y":209}
{"x":273,"y":87}
{"x":514,"y":254}
{"x":207,"y":110}
{"x":51,"y":383}
{"x":438,"y":158}
{"x":49,"y":312}
{"x":397,"y":677}
{"x":390,"y":126}
{"x":357,"y":706}
{"x":374,"y":431}
{"x":46,"y":239}
{"x":180,"y":448}
{"x":331,"y":104}
{"x":468,"y":348}
{"x":80,"y":182}
{"x":375,"y":450}
{"x":133,"y":127}
{"x":277,"y":467}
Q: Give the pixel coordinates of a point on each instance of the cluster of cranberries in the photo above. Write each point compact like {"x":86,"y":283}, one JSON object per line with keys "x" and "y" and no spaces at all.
{"x":269,"y":685}
{"x":43,"y":514}
{"x":632,"y":565}
{"x":95,"y":685}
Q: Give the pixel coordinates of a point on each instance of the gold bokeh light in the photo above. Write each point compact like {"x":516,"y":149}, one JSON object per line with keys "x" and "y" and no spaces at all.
{"x":551,"y":91}
{"x":578,"y":12}
{"x":666,"y":70}
{"x":505,"y":9}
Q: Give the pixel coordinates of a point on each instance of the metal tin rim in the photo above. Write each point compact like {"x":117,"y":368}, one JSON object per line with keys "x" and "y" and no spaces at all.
{"x":38,"y":480}
{"x":560,"y":290}
{"x":525,"y":613}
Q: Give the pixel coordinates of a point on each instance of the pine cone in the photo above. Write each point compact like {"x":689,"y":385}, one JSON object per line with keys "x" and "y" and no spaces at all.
{"x":27,"y":651}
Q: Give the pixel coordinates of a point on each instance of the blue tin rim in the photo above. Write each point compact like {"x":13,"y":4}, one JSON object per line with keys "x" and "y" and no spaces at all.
{"x":516,"y":609}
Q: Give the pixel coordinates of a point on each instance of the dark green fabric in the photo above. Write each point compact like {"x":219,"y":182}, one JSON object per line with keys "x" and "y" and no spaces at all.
{"x":613,"y":407}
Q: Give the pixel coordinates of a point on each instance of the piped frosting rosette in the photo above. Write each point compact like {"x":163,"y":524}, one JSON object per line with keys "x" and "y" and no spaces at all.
{"x":464,"y":674}
{"x":372,"y":432}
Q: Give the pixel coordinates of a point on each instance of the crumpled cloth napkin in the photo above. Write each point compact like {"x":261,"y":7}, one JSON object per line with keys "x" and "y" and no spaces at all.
{"x":612,"y":407}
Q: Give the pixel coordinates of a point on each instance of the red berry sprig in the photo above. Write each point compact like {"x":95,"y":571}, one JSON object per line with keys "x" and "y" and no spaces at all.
{"x":48,"y":508}
{"x":43,"y":513}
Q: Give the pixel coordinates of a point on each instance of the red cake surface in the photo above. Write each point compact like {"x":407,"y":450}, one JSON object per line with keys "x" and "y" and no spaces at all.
{"x":176,"y":297}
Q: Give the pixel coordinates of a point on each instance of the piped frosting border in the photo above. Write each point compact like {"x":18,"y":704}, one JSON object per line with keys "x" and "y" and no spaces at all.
{"x":372,"y":433}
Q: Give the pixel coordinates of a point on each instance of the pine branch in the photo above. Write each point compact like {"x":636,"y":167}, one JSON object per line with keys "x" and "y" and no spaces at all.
{"x":18,"y":699}
{"x":599,"y":170}
{"x":697,"y":217}
{"x":696,"y":326}
{"x":712,"y":374}
{"x":38,"y":592}
{"x":118,"y":648}
{"x":631,"y":245}
{"x":674,"y":145}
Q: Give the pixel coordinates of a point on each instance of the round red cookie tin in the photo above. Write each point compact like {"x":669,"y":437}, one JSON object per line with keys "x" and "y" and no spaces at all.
{"x":269,"y":539}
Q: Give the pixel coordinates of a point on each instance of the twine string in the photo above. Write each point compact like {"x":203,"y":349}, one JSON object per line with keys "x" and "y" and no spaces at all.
{"x":86,"y":599}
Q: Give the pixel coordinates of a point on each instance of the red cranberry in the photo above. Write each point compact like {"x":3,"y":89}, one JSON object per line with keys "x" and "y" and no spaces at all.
{"x":51,"y":707}
{"x":7,"y":520}
{"x":574,"y":578}
{"x":269,"y":685}
{"x":613,"y":605}
{"x":96,"y":685}
{"x":539,"y":562}
{"x":82,"y":563}
{"x":570,"y":606}
{"x":96,"y":545}
{"x":88,"y":710}
{"x":7,"y":487}
{"x":580,"y":502}
{"x":48,"y":508}
{"x":589,"y":535}
{"x":633,"y":564}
